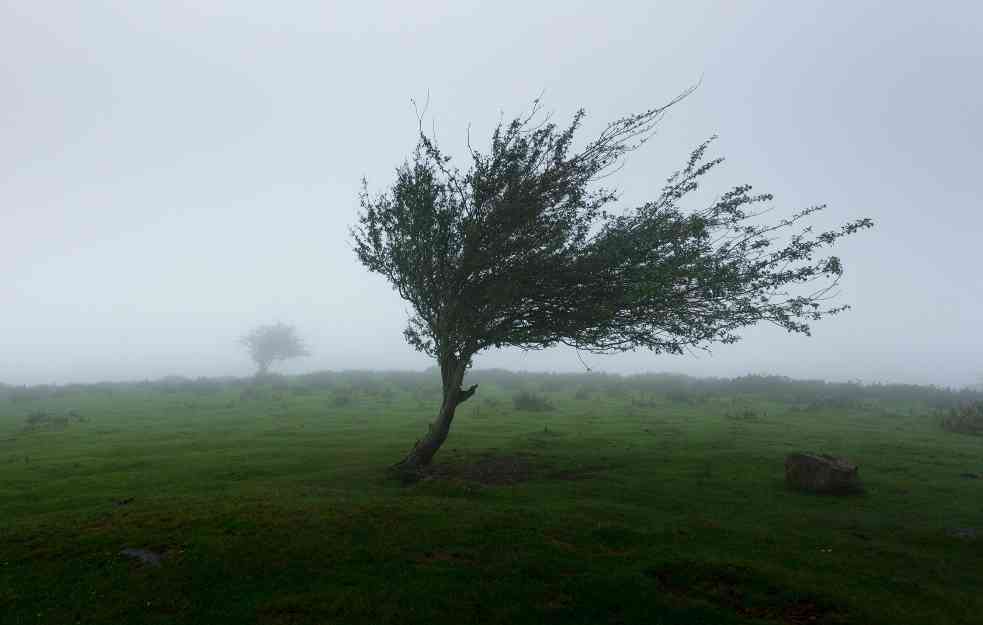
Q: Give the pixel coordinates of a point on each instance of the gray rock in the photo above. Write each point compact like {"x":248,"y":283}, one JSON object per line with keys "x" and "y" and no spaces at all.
{"x":969,"y":533}
{"x":821,"y":473}
{"x":144,"y":555}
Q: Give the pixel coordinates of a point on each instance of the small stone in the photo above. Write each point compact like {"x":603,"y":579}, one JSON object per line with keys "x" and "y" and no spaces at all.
{"x":144,"y":555}
{"x":969,"y":533}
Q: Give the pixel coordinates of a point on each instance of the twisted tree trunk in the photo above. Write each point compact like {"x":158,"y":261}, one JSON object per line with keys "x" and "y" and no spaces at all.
{"x":422,"y":453}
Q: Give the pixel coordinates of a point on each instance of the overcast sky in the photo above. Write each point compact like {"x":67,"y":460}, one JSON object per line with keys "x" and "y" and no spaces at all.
{"x":172,"y":173}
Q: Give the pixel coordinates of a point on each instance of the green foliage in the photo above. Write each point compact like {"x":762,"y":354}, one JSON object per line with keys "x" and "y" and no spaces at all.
{"x":522,"y":249}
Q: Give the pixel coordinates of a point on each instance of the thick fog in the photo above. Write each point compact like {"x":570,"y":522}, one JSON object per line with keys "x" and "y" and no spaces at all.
{"x":174,"y":173}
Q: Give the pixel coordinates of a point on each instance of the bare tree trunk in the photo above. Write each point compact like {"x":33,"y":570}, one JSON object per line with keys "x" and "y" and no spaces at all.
{"x":452,"y":374}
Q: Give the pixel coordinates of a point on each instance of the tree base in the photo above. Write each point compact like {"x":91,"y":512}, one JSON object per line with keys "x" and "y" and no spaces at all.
{"x":409,"y":470}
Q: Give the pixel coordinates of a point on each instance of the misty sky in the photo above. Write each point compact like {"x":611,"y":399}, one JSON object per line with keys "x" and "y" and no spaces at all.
{"x":172,"y":173}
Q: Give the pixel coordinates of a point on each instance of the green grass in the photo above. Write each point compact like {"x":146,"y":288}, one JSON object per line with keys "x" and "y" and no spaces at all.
{"x":278,"y":511}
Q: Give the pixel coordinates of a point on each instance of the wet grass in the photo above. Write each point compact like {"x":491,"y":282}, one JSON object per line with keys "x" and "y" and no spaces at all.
{"x":277,"y":510}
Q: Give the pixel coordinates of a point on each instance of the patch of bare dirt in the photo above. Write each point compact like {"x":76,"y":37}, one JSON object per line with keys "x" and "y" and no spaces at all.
{"x":739,"y":589}
{"x":503,"y":469}
{"x":491,"y":469}
{"x":577,"y":473}
{"x":431,"y":557}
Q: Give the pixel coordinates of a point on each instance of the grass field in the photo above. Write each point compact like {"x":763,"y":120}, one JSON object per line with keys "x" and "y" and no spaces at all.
{"x":613,"y":507}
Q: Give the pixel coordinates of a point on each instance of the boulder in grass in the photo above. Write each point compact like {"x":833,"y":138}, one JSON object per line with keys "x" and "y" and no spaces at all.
{"x":821,"y":473}
{"x":144,"y":555}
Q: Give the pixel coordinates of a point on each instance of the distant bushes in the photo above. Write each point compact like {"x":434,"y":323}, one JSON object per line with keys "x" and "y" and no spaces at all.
{"x":530,"y":402}
{"x":681,"y":396}
{"x":21,"y":394}
{"x":965,"y":419}
{"x":39,"y":419}
{"x":643,"y":389}
{"x":343,"y":397}
{"x":492,"y":402}
{"x":319,"y":380}
{"x":741,"y":413}
{"x":177,"y":385}
{"x":644,"y":402}
{"x":46,"y":420}
{"x":250,"y":393}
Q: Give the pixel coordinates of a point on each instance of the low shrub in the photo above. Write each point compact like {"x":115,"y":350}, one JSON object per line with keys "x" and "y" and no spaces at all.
{"x":343,"y":397}
{"x":964,"y":419}
{"x":530,"y":402}
{"x":41,"y":420}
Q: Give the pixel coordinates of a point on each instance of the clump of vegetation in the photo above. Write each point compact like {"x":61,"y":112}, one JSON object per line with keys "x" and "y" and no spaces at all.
{"x":343,"y":397}
{"x":741,"y":412}
{"x":680,"y":396}
{"x":41,"y":420}
{"x":964,"y":419}
{"x":250,"y":393}
{"x":27,"y":393}
{"x":278,"y":382}
{"x":492,"y":402}
{"x":319,"y":380}
{"x":582,"y":394}
{"x":644,"y":402}
{"x":530,"y":402}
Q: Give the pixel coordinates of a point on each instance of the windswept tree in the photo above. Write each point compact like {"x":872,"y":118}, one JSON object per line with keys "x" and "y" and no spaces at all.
{"x":525,"y":248}
{"x":269,"y":343}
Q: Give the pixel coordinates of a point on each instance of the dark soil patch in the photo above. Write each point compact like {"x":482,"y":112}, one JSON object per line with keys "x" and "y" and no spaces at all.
{"x":492,"y":470}
{"x":742,"y":590}
{"x":453,"y":557}
{"x":577,"y":473}
{"x":503,"y":469}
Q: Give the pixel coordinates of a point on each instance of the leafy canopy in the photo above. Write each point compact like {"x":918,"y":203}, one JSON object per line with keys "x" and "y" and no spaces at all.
{"x":521,"y":249}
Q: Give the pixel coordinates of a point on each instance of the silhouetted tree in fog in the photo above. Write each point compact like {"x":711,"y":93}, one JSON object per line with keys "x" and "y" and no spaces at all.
{"x":269,"y":343}
{"x":520,"y":249}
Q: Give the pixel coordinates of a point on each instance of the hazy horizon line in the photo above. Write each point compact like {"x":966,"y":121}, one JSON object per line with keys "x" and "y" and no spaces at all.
{"x":612,"y":374}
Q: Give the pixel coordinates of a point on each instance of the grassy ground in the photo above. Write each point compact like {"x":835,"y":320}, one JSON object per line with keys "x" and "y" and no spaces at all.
{"x":276,"y":510}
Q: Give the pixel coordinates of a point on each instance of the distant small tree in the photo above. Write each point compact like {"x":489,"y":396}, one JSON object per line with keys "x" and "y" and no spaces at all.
{"x":269,"y":343}
{"x":520,"y":250}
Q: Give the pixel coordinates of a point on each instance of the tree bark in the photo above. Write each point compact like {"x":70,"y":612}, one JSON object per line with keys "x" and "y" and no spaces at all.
{"x":452,"y":375}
